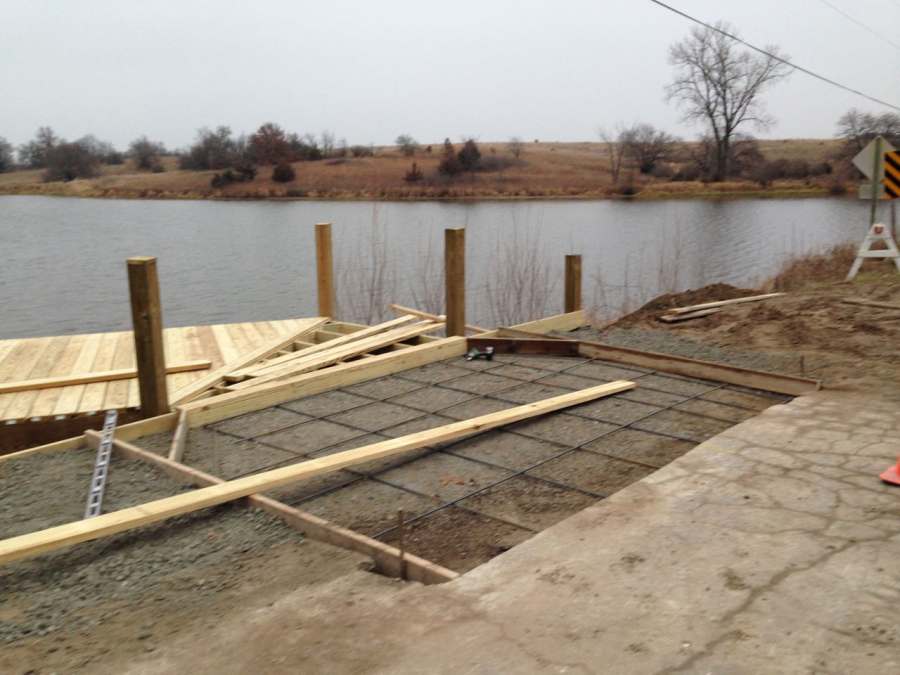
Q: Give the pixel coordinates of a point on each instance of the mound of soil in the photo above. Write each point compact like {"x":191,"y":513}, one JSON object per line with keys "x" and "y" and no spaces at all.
{"x":712,"y":293}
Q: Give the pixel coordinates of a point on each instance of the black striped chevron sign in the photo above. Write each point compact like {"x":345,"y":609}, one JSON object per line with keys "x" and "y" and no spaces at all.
{"x":892,"y":174}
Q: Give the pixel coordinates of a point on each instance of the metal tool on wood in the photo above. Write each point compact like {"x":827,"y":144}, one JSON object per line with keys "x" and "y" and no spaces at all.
{"x":101,"y":465}
{"x":487,"y":354}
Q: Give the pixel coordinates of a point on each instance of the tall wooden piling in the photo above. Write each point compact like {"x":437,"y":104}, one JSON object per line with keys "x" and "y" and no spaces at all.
{"x":573,"y":283}
{"x":325,"y":269}
{"x":146,"y":317}
{"x":455,"y":280}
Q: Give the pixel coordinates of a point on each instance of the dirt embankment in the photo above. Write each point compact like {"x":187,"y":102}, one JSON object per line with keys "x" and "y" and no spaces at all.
{"x":809,"y":330}
{"x":543,"y":171}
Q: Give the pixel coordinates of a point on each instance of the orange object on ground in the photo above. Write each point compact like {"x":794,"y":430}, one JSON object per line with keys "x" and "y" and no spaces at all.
{"x":892,"y":474}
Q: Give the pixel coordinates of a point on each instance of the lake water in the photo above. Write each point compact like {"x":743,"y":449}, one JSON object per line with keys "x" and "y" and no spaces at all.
{"x":63,"y":259}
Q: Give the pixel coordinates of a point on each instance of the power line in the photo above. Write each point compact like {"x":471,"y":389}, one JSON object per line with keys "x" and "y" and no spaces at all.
{"x":861,"y":24}
{"x":776,"y":57}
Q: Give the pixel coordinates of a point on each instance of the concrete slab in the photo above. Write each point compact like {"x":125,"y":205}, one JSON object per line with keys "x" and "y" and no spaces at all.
{"x":770,"y":548}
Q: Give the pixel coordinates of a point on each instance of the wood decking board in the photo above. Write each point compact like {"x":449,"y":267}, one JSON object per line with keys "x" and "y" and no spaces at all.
{"x":32,"y":358}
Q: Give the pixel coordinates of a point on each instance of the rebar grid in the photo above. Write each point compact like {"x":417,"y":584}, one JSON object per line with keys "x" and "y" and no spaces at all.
{"x":359,"y":476}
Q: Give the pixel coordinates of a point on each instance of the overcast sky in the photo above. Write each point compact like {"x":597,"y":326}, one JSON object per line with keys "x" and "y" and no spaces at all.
{"x":369,"y":71}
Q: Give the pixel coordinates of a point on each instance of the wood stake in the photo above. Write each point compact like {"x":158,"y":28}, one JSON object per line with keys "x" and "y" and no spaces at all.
{"x":455,"y":280}
{"x":146,"y":316}
{"x":400,"y":544}
{"x":573,"y":283}
{"x":325,"y":269}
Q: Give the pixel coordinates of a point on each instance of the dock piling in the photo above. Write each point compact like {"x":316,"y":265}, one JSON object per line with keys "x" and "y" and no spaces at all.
{"x":455,"y":280}
{"x":573,"y":283}
{"x":325,"y":269}
{"x":146,"y":317}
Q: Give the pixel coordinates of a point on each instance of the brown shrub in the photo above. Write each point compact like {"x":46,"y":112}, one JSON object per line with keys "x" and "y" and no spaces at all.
{"x":810,"y":269}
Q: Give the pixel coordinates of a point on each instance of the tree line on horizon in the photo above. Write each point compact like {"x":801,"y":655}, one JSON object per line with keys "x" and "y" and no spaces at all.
{"x":716,"y":84}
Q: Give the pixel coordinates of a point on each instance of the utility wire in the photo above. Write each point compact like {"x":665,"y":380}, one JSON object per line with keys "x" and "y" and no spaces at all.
{"x":775,"y":56}
{"x":861,"y":24}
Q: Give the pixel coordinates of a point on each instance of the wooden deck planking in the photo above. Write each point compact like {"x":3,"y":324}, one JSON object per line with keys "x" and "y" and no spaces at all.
{"x":32,"y":358}
{"x":45,"y":401}
{"x":70,"y":397}
{"x":18,"y":364}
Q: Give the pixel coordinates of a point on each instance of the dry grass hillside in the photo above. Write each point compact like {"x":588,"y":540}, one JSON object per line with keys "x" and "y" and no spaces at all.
{"x":545,"y":170}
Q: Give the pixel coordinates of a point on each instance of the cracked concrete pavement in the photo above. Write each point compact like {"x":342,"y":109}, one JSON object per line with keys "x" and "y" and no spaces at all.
{"x":770,"y":548}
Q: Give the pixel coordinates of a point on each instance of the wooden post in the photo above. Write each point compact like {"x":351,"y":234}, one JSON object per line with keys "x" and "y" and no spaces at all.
{"x":325,"y":269}
{"x":146,"y":317}
{"x":455,"y":280}
{"x":573,"y":283}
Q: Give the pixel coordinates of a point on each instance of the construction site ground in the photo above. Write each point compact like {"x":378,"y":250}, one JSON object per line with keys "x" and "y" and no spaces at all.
{"x":769,"y":547}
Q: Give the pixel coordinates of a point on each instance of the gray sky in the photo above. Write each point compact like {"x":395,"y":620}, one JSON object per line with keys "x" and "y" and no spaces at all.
{"x":371,"y":70}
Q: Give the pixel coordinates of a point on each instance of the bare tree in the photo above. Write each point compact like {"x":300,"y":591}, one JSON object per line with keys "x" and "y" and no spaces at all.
{"x":519,"y":282}
{"x":426,"y":283}
{"x":146,"y":154}
{"x":7,"y":160}
{"x":515,"y":147}
{"x":858,"y":128}
{"x":367,"y":279}
{"x":407,"y":144}
{"x":34,"y":153}
{"x":720,"y":85}
{"x":646,"y":145}
{"x":615,"y":148}
{"x":327,"y":138}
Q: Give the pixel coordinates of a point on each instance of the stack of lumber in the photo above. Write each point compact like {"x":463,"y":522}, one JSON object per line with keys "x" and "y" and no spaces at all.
{"x":677,"y":314}
{"x":311,"y":349}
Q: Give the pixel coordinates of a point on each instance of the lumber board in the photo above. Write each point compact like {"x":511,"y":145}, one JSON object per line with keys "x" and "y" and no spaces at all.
{"x":386,"y":557}
{"x":525,"y":345}
{"x":329,"y":357}
{"x":870,"y":303}
{"x":270,"y":364}
{"x":723,"y":303}
{"x":706,"y":370}
{"x":231,"y":404}
{"x":35,"y":543}
{"x":700,"y":313}
{"x":561,"y":322}
{"x":101,"y":376}
{"x":198,"y":387}
{"x":126,"y":432}
{"x":179,"y":438}
{"x":401,"y":309}
{"x":519,"y":333}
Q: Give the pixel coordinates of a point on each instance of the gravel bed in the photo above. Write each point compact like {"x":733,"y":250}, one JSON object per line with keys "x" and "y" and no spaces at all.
{"x":668,"y":343}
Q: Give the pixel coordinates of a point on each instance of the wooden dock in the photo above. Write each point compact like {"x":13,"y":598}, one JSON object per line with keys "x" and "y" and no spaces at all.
{"x":35,"y":359}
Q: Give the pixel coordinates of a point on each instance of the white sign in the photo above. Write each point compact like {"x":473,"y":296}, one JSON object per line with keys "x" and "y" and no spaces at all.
{"x":865,"y":160}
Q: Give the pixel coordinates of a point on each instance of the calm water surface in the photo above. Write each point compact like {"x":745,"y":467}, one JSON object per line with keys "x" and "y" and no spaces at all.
{"x":63,"y":259}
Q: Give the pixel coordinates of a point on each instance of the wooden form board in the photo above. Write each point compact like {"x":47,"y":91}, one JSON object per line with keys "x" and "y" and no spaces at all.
{"x":65,"y":355}
{"x":400,"y":309}
{"x":386,"y":558}
{"x":35,"y":543}
{"x":196,"y":389}
{"x":339,"y":353}
{"x":231,"y":404}
{"x":705,"y":370}
{"x":336,"y":340}
{"x":503,"y":345}
{"x":153,"y":425}
{"x":101,"y":376}
{"x":870,"y":303}
{"x":687,"y":316}
{"x":722,"y":303}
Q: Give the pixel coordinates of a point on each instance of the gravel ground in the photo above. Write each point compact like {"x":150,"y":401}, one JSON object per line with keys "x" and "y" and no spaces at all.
{"x":667,"y":342}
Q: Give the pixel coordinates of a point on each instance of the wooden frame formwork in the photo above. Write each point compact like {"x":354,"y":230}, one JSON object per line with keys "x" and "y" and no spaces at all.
{"x":526,"y":339}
